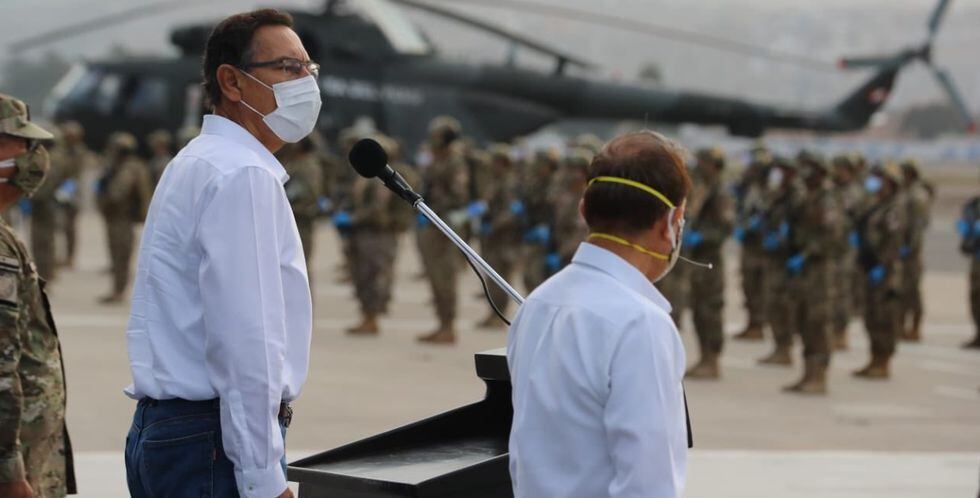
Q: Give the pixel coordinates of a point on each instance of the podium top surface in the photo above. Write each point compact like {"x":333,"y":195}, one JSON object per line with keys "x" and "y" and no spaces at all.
{"x":492,"y":365}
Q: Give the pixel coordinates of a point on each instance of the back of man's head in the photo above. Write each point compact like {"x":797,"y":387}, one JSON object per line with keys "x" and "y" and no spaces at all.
{"x":645,"y":157}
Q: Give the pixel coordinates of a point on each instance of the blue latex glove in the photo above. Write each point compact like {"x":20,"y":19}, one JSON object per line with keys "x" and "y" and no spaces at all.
{"x":854,"y":239}
{"x":422,"y":221}
{"x":342,"y":220}
{"x":552,"y":262}
{"x":783,"y":230}
{"x":476,"y":209}
{"x":67,"y":189}
{"x":755,"y":223}
{"x":877,"y":275}
{"x":796,"y":263}
{"x":771,"y":241}
{"x":323,"y":204}
{"x":693,"y":238}
{"x":905,"y":252}
{"x":517,"y":207}
{"x":25,"y":206}
{"x":962,"y":227}
{"x":540,"y":234}
{"x":739,"y":233}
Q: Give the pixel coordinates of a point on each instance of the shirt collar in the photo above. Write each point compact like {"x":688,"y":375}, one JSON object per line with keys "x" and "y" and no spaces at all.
{"x":619,"y":269}
{"x":224,"y":127}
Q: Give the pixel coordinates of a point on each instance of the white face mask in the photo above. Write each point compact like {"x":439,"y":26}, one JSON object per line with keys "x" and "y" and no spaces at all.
{"x":775,"y":179}
{"x":676,"y":240}
{"x":8,"y":163}
{"x":297,"y":108}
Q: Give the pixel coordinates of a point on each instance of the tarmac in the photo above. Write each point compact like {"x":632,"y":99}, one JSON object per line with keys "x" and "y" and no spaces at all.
{"x":917,"y":435}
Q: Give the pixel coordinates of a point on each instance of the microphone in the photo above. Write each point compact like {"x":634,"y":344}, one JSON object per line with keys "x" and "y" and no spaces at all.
{"x":370,"y":160}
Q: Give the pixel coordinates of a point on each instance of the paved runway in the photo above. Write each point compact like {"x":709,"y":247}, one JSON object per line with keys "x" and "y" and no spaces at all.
{"x":917,"y":435}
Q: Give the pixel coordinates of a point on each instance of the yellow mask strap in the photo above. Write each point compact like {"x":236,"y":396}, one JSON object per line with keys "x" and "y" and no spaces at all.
{"x":622,"y":241}
{"x":625,"y":181}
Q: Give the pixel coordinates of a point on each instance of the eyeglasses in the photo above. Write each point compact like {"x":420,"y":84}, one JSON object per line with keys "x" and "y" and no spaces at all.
{"x":290,"y":66}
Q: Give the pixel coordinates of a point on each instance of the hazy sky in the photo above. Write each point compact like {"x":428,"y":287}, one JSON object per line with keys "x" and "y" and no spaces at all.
{"x":823,"y":29}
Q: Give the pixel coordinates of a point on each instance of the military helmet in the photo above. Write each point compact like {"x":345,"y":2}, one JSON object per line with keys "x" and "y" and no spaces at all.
{"x":578,"y":158}
{"x":72,"y":129}
{"x":122,"y":141}
{"x":589,"y":142}
{"x":444,"y":130}
{"x":713,"y":155}
{"x":843,"y":162}
{"x":15,"y":120}
{"x":162,"y":137}
{"x":910,"y":168}
{"x":812,"y":161}
{"x":889,"y":171}
{"x":500,"y":151}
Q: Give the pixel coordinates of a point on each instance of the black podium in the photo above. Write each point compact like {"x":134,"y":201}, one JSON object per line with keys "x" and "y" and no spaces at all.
{"x":460,"y":453}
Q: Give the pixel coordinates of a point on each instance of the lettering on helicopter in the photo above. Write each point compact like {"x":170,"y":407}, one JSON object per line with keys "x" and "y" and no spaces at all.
{"x":353,"y":89}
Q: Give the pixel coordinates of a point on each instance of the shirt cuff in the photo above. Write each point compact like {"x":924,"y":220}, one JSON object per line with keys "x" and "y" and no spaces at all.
{"x":12,"y":469}
{"x":269,"y":482}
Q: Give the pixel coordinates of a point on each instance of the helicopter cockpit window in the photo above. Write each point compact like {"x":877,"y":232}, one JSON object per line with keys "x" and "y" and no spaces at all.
{"x":81,"y":89}
{"x":107,"y":94}
{"x":396,"y":27}
{"x":148,"y":98}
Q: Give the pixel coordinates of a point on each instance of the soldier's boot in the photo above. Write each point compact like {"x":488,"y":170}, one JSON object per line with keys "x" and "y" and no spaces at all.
{"x":780,"y":356}
{"x":912,"y":335}
{"x":368,"y":326}
{"x":974,"y":344}
{"x":752,"y":332}
{"x":492,"y":321}
{"x":877,"y":368}
{"x":445,"y":334}
{"x":814,"y":379}
{"x":706,"y":369}
{"x":840,"y":340}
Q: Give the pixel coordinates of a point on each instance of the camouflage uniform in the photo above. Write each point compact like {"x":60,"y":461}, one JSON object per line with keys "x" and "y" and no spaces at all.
{"x":539,"y":218}
{"x":969,"y":229}
{"x":123,"y":196}
{"x":34,"y":444}
{"x":44,"y":217}
{"x":570,"y":228}
{"x":378,"y":217}
{"x":777,"y":221}
{"x":917,"y":197}
{"x":881,"y":234}
{"x":750,"y":204}
{"x":73,"y":159}
{"x":844,"y":261}
{"x":161,"y":143}
{"x":445,"y":182}
{"x":501,"y":226}
{"x":816,"y":232}
{"x":303,"y":193}
{"x":710,"y":217}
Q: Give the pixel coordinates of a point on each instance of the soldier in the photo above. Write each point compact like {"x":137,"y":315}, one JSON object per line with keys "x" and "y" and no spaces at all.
{"x":816,"y":232}
{"x":502,"y":226}
{"x":570,"y":228}
{"x":122,"y":194}
{"x":881,"y":231}
{"x":750,"y":206}
{"x":44,"y":214}
{"x":918,"y":197}
{"x":73,"y":159}
{"x":784,"y":196}
{"x":378,"y":217}
{"x":538,"y":198}
{"x":968,"y":227}
{"x":35,"y":453}
{"x":851,"y":197}
{"x":710,"y":218}
{"x":303,"y":192}
{"x":161,"y":152}
{"x":445,"y":190}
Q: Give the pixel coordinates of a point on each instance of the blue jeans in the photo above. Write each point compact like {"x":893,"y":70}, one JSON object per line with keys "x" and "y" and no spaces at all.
{"x":174,"y":450}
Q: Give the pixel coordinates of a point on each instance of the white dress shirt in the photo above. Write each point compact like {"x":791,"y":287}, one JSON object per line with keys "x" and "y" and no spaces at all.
{"x":596,"y":365}
{"x":221,"y":304}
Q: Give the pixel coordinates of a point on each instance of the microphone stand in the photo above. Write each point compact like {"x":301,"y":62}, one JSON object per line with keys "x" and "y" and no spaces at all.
{"x":422,"y":207}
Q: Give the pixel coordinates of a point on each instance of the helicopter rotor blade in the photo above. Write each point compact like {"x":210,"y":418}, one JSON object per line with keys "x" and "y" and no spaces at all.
{"x":103,"y":22}
{"x":862,"y":62}
{"x":955,"y":98}
{"x":937,"y":17}
{"x":656,"y":30}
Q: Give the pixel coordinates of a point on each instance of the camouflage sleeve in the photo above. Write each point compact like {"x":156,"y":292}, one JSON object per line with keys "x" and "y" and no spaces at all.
{"x":11,"y":395}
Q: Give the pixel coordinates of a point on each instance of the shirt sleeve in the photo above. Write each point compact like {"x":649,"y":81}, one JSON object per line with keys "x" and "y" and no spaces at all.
{"x":644,"y":415}
{"x":11,"y":393}
{"x":244,"y":315}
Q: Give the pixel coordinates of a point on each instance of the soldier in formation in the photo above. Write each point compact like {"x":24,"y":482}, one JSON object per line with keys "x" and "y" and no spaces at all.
{"x":968,"y":227}
{"x":122,"y":195}
{"x":35,"y":452}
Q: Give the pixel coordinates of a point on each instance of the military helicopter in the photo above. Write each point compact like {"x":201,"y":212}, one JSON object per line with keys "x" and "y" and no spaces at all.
{"x":376,"y":63}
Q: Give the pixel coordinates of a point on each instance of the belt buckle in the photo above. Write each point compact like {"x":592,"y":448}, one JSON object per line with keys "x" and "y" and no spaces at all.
{"x":285,"y":414}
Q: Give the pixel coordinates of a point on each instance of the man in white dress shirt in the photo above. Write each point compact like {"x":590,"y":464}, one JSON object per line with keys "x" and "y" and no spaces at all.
{"x":219,"y":331}
{"x":595,"y":360}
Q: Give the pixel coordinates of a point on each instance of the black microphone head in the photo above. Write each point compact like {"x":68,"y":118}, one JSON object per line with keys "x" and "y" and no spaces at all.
{"x":368,"y":158}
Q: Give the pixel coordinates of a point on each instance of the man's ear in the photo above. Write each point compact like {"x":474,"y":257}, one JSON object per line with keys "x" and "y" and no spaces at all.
{"x":581,"y":207}
{"x":229,"y":81}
